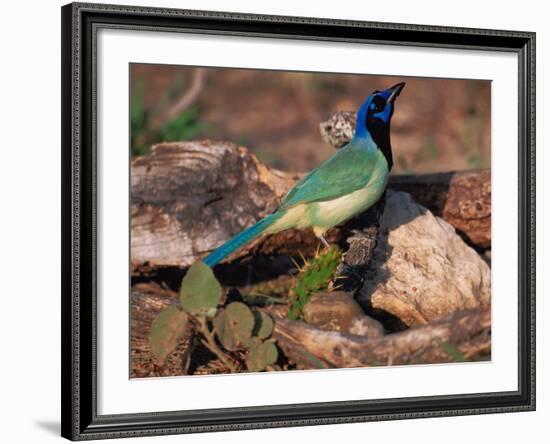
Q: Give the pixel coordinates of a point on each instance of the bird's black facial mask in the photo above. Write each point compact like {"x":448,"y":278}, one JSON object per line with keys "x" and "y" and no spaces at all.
{"x":378,"y":125}
{"x":378,"y":118}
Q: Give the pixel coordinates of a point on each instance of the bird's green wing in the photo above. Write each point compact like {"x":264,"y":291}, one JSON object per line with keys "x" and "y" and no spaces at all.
{"x":345,"y":172}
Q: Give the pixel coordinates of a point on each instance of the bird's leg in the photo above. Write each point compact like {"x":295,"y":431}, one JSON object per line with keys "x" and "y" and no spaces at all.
{"x":324,"y":241}
{"x":319,"y":233}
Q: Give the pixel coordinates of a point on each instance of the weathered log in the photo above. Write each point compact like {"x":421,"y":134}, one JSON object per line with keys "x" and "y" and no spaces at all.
{"x":461,"y":335}
{"x":187,"y":198}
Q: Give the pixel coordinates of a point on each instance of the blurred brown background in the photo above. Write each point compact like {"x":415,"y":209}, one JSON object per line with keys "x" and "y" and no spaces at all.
{"x":438,"y":125}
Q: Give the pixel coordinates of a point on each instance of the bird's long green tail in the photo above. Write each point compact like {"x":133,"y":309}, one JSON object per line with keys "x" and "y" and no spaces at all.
{"x":239,"y":240}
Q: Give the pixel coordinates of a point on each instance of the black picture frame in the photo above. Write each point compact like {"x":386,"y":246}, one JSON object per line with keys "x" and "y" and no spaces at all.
{"x":79,"y":170}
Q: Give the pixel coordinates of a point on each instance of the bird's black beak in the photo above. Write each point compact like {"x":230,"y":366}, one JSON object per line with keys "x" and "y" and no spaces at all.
{"x":395,"y":91}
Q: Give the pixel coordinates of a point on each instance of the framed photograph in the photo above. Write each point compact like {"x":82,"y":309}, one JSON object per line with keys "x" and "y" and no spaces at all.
{"x":278,"y":221}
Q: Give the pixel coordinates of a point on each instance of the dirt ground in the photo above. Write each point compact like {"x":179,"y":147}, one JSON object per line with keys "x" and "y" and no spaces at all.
{"x":438,"y":125}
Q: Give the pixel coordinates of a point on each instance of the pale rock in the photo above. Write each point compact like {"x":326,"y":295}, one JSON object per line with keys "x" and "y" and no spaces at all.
{"x":421,"y":269}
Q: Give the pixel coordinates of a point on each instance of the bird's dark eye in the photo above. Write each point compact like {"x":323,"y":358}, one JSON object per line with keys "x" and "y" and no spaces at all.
{"x":377,"y":104}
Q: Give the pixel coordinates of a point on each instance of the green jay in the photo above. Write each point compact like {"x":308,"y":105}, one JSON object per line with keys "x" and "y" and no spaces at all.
{"x":345,"y":185}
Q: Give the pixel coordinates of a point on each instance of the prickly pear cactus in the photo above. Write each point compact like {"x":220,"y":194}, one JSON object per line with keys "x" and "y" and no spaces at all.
{"x":240,"y":330}
{"x":313,"y":276}
{"x":200,"y":293}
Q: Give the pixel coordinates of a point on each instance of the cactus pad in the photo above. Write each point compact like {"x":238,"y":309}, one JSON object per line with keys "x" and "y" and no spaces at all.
{"x":234,"y":325}
{"x":260,"y":355}
{"x":314,"y":275}
{"x":166,"y":331}
{"x":200,"y":291}
{"x":263,"y":325}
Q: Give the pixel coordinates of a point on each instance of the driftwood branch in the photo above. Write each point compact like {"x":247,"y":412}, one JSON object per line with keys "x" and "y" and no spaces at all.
{"x":466,"y":332}
{"x":190,"y":197}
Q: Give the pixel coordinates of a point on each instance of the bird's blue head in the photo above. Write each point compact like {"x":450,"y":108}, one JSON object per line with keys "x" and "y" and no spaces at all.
{"x":374,"y":116}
